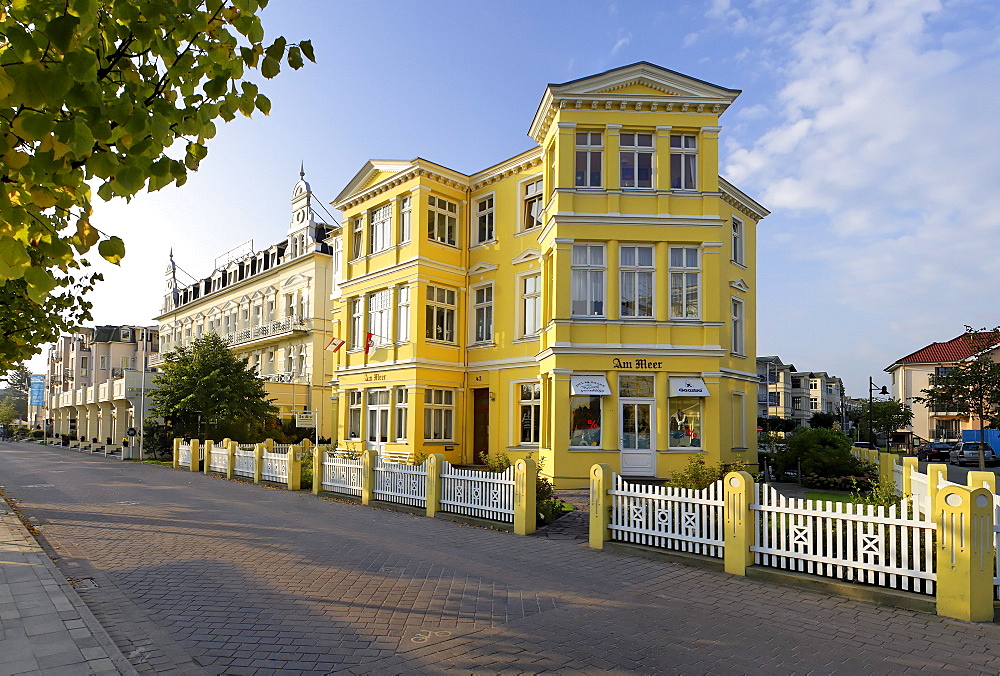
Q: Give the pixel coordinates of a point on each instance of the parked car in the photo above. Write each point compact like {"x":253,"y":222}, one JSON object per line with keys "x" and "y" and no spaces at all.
{"x":935,"y":450}
{"x":967,"y":452}
{"x":864,"y":444}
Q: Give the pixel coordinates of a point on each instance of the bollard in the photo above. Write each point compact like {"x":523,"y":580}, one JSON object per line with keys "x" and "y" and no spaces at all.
{"x":294,"y":481}
{"x":525,"y":496}
{"x":434,"y":464}
{"x":317,"y":459}
{"x":965,"y":553}
{"x":368,"y":458}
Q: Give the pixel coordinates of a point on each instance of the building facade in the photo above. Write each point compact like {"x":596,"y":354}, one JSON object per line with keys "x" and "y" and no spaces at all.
{"x":590,"y":300}
{"x":797,"y":395}
{"x":272,"y":307}
{"x":95,"y":382}
{"x":916,"y":372}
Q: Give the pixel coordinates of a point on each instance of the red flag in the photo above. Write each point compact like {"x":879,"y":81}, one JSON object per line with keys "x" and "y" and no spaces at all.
{"x":369,"y":342}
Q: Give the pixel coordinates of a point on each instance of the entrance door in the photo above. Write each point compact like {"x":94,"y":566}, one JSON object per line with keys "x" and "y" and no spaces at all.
{"x":378,"y":420}
{"x":636,"y":424}
{"x":480,"y":424}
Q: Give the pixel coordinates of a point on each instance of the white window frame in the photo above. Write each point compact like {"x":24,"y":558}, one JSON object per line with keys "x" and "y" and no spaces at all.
{"x":738,"y":319}
{"x":485,"y":226}
{"x":590,"y":154}
{"x":532,"y":407}
{"x":636,"y":152}
{"x":354,"y":414}
{"x":739,"y":233}
{"x":531,"y":203}
{"x":405,"y":219}
{"x":380,"y":228}
{"x":104,"y":362}
{"x":582,"y":280}
{"x":481,"y":298}
{"x":813,"y":403}
{"x":530,"y":302}
{"x":403,"y":313}
{"x":439,"y":415}
{"x":442,"y":220}
{"x":442,"y":306}
{"x":357,"y":237}
{"x":683,"y":162}
{"x":357,"y":322}
{"x":681,"y":272}
{"x":401,"y":402}
{"x":380,"y":316}
{"x":632,"y":273}
{"x":739,"y":420}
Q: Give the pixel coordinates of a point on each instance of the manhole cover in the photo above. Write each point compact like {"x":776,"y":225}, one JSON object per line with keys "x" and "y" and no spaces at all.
{"x":85,"y":583}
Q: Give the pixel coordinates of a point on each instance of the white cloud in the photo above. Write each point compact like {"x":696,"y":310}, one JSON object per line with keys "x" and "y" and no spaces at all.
{"x":622,"y":41}
{"x":689,"y":40}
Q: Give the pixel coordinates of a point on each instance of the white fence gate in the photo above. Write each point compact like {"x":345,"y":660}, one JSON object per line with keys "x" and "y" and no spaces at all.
{"x":885,"y":546}
{"x":487,"y":495}
{"x":244,"y":464}
{"x":401,"y":483}
{"x":679,"y":519}
{"x":274,"y":465}
{"x":219,"y":459}
{"x":184,"y":453}
{"x":341,"y":473}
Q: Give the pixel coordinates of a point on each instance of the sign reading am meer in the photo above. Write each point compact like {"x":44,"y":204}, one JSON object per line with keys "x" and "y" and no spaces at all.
{"x":636,"y":363}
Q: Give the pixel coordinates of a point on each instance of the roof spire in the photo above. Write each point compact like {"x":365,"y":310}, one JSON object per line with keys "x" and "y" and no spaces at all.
{"x":302,"y":169}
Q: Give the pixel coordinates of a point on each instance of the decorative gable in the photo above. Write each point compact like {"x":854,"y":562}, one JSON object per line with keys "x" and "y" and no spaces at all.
{"x":739,"y":285}
{"x":526,"y":256}
{"x":482,"y":267}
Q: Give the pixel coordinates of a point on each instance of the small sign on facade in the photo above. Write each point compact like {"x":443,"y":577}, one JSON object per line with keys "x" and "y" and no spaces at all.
{"x":307,"y":419}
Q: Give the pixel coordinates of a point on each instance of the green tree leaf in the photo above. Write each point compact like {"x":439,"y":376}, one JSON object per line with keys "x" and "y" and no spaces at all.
{"x":112,"y":249}
{"x":60,"y":31}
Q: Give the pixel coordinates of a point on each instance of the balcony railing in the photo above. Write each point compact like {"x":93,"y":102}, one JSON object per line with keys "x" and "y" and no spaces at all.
{"x":270,"y":329}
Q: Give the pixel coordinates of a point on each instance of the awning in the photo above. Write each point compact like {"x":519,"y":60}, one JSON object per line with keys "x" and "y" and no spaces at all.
{"x":592,"y":385}
{"x":688,"y":387}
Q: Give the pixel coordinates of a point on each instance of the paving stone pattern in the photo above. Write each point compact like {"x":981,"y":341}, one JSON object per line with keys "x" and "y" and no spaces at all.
{"x":204,"y":575}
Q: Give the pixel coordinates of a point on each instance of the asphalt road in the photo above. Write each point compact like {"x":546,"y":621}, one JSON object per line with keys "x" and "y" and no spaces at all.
{"x":194,"y":574}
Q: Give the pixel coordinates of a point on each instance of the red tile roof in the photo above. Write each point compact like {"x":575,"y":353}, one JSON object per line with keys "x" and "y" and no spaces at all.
{"x":954,"y":350}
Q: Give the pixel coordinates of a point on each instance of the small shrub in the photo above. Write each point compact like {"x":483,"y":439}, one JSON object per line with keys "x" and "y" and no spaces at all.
{"x":307,"y":473}
{"x":699,"y":475}
{"x":497,"y":462}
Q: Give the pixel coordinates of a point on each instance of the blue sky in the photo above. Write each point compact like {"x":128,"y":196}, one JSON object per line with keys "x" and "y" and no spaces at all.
{"x":867,"y":128}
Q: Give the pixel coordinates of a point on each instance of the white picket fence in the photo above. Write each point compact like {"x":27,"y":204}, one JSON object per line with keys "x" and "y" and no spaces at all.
{"x":341,"y":473}
{"x":668,"y":517}
{"x":488,"y":495}
{"x":244,"y":464}
{"x":184,"y":453}
{"x":401,"y":483}
{"x":885,"y":546}
{"x":274,"y":465}
{"x":218,"y":460}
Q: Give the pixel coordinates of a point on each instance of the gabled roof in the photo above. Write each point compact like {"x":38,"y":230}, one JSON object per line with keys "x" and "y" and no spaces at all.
{"x":952,"y":351}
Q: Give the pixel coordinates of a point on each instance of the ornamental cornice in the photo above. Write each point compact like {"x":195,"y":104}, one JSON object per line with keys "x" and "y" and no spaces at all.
{"x":515,"y":165}
{"x":392,"y":182}
{"x":735,"y":198}
{"x":625,"y":103}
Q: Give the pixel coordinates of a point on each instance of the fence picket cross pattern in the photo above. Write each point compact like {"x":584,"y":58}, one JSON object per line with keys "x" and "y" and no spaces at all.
{"x":487,"y":495}
{"x":341,"y":473}
{"x":401,"y":483}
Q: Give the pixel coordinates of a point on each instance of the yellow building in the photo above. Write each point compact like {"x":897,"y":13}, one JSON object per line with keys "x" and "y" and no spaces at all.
{"x":272,"y":306}
{"x":589,"y":300}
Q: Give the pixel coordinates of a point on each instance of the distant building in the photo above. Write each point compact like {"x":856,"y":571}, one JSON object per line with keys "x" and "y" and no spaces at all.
{"x":272,"y":306}
{"x":93,"y":380}
{"x":916,"y":372}
{"x":785,"y":392}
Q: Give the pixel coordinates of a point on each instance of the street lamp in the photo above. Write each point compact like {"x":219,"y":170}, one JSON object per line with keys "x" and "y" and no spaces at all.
{"x":872,"y":388}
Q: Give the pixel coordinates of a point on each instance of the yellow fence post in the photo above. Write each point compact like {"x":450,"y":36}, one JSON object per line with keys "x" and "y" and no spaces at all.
{"x":600,"y":506}
{"x":525,"y":507}
{"x":739,"y":536}
{"x":987,"y":480}
{"x":368,"y":458}
{"x":294,"y":468}
{"x":209,"y":445}
{"x":886,"y":465}
{"x":909,"y":467}
{"x":936,"y":471}
{"x":965,"y":553}
{"x":195,"y":446}
{"x":177,"y":452}
{"x":231,"y":461}
{"x":434,"y":482}
{"x":269,"y":443}
{"x":317,"y":459}
{"x":258,"y":461}
{"x":306,"y":446}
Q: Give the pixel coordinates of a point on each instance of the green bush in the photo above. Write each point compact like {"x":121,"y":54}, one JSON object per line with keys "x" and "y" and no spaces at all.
{"x":699,"y":475}
{"x":824,"y":458}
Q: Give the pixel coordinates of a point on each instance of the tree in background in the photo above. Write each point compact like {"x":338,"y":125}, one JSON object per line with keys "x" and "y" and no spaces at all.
{"x":9,"y":412}
{"x":823,"y":459}
{"x":93,"y":93}
{"x":205,"y":387}
{"x":972,"y":387}
{"x":18,"y":381}
{"x":824,"y":420}
{"x":885,"y":417}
